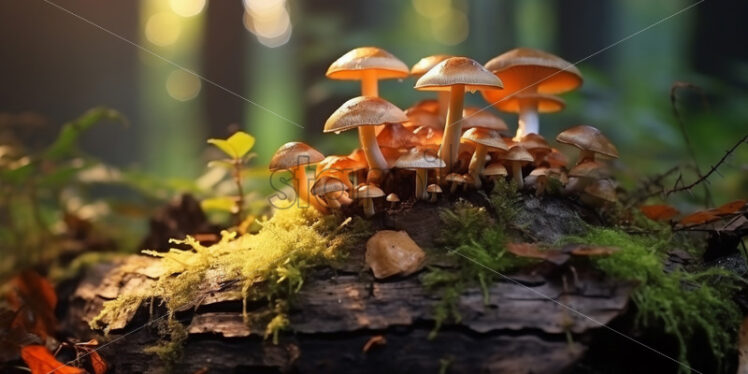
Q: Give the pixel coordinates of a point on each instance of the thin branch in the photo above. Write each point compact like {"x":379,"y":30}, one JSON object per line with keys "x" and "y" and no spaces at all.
{"x":688,"y":187}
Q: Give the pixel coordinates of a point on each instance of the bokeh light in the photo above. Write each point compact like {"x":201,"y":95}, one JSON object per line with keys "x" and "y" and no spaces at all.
{"x":451,"y":28}
{"x":182,"y":85}
{"x":269,"y":21}
{"x":187,"y":8}
{"x":432,"y":8}
{"x":163,"y":29}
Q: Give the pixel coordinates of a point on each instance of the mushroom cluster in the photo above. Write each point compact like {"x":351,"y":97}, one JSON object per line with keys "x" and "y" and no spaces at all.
{"x":438,"y":145}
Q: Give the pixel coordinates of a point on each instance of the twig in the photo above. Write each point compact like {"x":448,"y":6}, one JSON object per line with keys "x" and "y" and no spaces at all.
{"x":704,"y":177}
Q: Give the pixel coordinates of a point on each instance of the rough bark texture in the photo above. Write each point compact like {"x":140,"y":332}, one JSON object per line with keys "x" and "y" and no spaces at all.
{"x":522,"y":329}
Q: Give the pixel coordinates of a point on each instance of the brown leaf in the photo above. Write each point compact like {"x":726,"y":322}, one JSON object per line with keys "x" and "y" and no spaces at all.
{"x":591,"y":250}
{"x":698,"y":218}
{"x":728,"y":208}
{"x":659,"y":212}
{"x":34,"y":298}
{"x":531,"y":250}
{"x":97,"y":363}
{"x":40,"y":361}
{"x":374,"y":341}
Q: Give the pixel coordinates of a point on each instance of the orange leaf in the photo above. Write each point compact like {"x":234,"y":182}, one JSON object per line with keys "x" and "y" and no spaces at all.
{"x":729,"y":208}
{"x":698,"y":218}
{"x":374,"y":341}
{"x":590,"y":250}
{"x":97,"y":363}
{"x":37,"y":297}
{"x":659,"y":212}
{"x":531,"y":250}
{"x":40,"y":361}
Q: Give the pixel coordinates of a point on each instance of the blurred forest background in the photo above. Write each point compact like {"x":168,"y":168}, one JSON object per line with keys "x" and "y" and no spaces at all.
{"x":54,"y":66}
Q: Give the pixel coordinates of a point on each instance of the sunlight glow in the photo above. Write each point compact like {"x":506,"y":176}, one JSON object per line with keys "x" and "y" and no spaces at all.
{"x":182,"y":85}
{"x":187,"y":8}
{"x":163,"y":29}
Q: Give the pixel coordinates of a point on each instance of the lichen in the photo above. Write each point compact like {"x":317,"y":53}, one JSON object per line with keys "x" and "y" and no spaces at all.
{"x":270,"y":264}
{"x":684,"y":303}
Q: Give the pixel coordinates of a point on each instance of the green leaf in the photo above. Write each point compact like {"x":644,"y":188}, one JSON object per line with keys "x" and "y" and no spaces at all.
{"x":236,"y":146}
{"x":223,"y":204}
{"x":64,"y":145}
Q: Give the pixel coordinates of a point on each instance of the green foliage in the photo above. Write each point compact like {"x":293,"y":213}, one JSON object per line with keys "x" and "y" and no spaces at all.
{"x":270,"y":265}
{"x":478,"y":241}
{"x":683,"y":303}
{"x":235,"y":146}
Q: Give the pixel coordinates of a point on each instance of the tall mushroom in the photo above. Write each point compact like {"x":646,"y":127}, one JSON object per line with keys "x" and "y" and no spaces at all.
{"x":516,"y":157}
{"x":589,"y":140}
{"x":368,"y":65}
{"x":422,"y":67}
{"x":295,"y":156}
{"x":525,"y":72}
{"x":420,"y":159}
{"x":364,"y":113}
{"x":484,"y":140}
{"x":456,"y":75}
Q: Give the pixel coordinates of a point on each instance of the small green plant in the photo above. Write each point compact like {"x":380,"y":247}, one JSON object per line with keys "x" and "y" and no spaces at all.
{"x":236,"y":147}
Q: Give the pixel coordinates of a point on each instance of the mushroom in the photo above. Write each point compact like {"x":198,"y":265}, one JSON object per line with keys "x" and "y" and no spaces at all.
{"x":434,"y":190}
{"x":428,"y":135}
{"x":456,"y":74}
{"x":556,"y":159}
{"x":422,"y":67}
{"x":600,"y":192}
{"x":585,"y":174}
{"x":429,"y":105}
{"x":517,"y":156}
{"x":540,"y":179}
{"x":368,"y":65}
{"x":393,"y":199}
{"x":364,"y":113}
{"x":589,"y":140}
{"x":421,"y":159}
{"x":338,"y":167}
{"x":332,"y":190}
{"x":419,"y":117}
{"x":456,"y":180}
{"x":295,"y":156}
{"x":483,"y":140}
{"x":494,"y":170}
{"x":478,"y":117}
{"x":391,"y":253}
{"x":536,"y":145}
{"x":395,"y":135}
{"x":367,"y":193}
{"x":526,"y":72}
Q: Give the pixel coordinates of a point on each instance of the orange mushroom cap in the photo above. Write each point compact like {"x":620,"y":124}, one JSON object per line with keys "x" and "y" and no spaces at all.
{"x":546,"y":103}
{"x":294,"y":154}
{"x":364,"y":111}
{"x":351,"y":66}
{"x":458,"y":71}
{"x":427,"y":63}
{"x":486,"y":137}
{"x":588,"y":138}
{"x":532,"y":70}
{"x":480,"y":117}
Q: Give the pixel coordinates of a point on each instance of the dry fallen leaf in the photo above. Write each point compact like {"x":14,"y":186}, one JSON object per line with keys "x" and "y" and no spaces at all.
{"x":531,"y":250}
{"x":698,"y":218}
{"x":374,"y":341}
{"x":40,"y":361}
{"x":34,"y":299}
{"x":659,"y":212}
{"x":591,"y":250}
{"x":728,"y":208}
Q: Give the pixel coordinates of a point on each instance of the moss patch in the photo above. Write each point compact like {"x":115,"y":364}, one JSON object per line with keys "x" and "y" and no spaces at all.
{"x":269,"y":265}
{"x":682,"y":302}
{"x":477,"y":239}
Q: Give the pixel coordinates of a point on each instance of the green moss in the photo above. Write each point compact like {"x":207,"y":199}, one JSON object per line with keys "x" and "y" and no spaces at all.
{"x":682,"y":303}
{"x":477,"y":240}
{"x":269,"y":264}
{"x":170,"y":349}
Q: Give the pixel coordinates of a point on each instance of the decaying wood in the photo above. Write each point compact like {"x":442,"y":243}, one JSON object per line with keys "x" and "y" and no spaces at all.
{"x":521,"y":329}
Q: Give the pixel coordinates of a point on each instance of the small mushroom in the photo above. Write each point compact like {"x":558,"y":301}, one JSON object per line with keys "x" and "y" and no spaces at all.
{"x":481,"y":117}
{"x":456,"y":75}
{"x":434,"y":190}
{"x":422,"y":67}
{"x":589,"y":140}
{"x":339,"y":167}
{"x":455,"y":180}
{"x":556,"y":159}
{"x":368,"y":65}
{"x":517,"y":157}
{"x":331,"y":190}
{"x":393,"y":199}
{"x":364,"y":113}
{"x":420,"y":159}
{"x":540,"y":177}
{"x":494,"y":170}
{"x":419,"y":117}
{"x":530,"y":77}
{"x":367,"y":193}
{"x":536,"y":145}
{"x":395,"y":135}
{"x":428,"y":105}
{"x":390,"y":253}
{"x":585,"y":174}
{"x":295,"y":156}
{"x":429,"y":136}
{"x":484,"y":140}
{"x":602,"y":191}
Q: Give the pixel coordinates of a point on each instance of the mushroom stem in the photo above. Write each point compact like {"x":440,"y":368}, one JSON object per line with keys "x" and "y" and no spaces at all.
{"x":528,"y":119}
{"x":586,"y":156}
{"x":368,"y":206}
{"x":344,"y":199}
{"x":369,"y":84}
{"x":477,"y":162}
{"x":422,"y":176}
{"x":517,"y":174}
{"x":301,"y":182}
{"x":541,"y":184}
{"x":374,"y":157}
{"x":453,"y":128}
{"x":433,"y":197}
{"x":443,"y":98}
{"x":453,"y":188}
